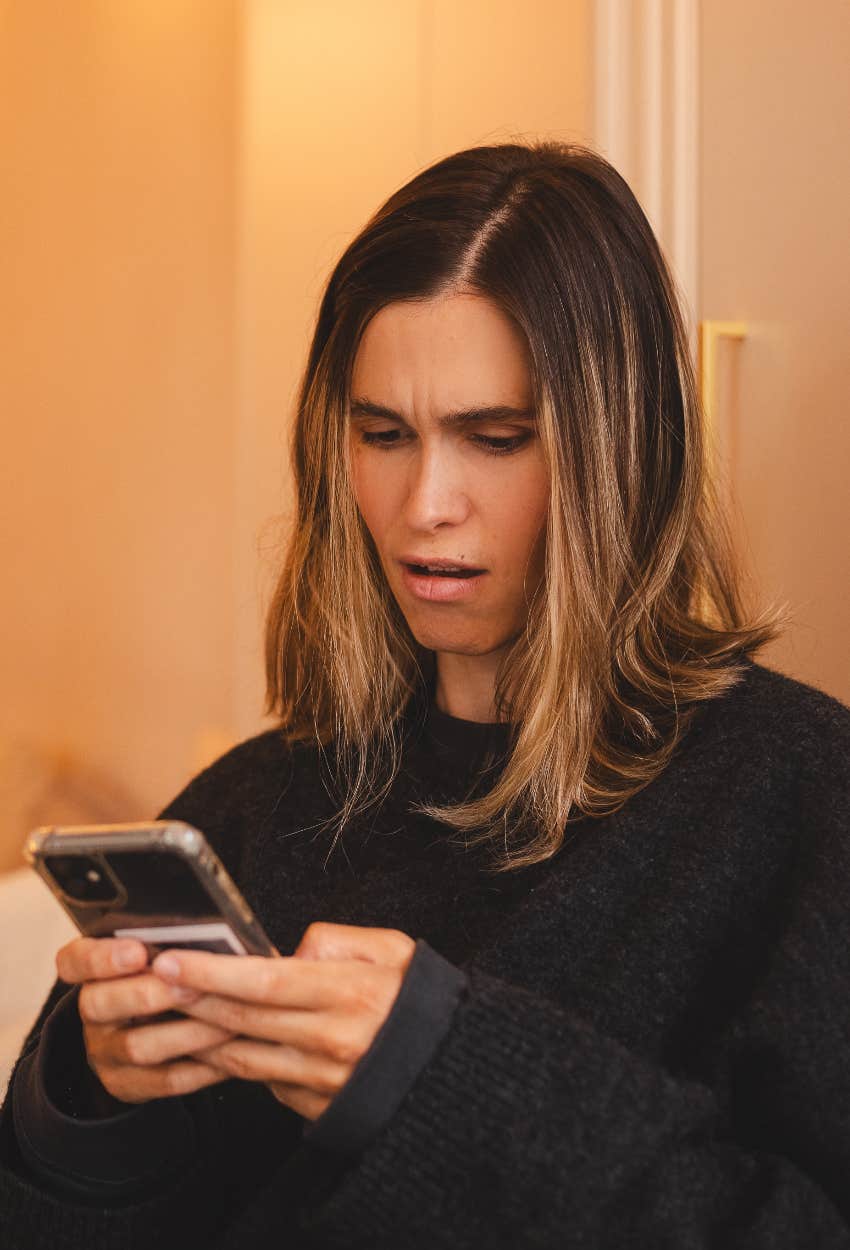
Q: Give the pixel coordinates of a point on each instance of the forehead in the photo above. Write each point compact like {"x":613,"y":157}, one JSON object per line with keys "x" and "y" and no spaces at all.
{"x":442,"y":353}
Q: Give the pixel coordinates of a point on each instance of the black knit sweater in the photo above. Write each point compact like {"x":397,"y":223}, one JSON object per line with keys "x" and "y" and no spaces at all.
{"x":652,"y":1048}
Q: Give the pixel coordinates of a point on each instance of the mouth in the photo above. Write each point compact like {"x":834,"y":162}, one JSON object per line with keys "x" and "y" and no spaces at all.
{"x":442,"y":582}
{"x":441,"y":568}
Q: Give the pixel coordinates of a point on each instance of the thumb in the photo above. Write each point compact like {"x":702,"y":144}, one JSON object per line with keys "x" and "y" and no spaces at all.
{"x":389,"y":947}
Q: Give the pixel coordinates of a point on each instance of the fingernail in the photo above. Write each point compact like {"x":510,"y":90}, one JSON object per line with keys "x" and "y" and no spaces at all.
{"x":126,"y":957}
{"x":167,"y":967}
{"x":181,"y":994}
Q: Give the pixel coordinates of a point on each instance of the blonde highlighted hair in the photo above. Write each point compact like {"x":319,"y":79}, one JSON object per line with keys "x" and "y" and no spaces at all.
{"x":639,"y":617}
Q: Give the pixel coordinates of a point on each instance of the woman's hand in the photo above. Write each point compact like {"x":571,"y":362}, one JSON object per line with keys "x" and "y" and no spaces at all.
{"x":304,"y":1021}
{"x":135,"y":1062}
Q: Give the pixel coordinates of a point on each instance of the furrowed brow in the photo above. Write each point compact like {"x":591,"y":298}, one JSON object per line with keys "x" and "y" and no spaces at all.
{"x":466,"y":416}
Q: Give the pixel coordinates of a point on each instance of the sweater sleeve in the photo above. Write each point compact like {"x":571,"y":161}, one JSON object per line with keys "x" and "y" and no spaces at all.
{"x":239,"y":1130}
{"x":78,"y":1141}
{"x":75,"y":1138}
{"x":529,"y":1121}
{"x":417,"y":1023}
{"x":241,"y":1134}
{"x":34,"y":1215}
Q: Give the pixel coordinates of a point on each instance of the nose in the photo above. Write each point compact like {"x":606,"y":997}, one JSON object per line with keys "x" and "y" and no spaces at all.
{"x":435,"y":494}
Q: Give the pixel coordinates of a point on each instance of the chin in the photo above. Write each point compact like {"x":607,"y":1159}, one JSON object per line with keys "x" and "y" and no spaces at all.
{"x":455,"y":641}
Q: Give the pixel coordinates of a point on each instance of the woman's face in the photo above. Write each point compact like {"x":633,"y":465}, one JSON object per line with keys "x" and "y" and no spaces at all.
{"x":448,"y":471}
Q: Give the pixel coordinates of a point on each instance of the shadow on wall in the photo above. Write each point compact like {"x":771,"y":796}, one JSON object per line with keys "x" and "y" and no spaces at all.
{"x":45,"y":786}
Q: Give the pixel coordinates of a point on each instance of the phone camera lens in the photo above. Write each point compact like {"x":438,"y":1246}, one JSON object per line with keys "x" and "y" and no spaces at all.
{"x":81,"y":878}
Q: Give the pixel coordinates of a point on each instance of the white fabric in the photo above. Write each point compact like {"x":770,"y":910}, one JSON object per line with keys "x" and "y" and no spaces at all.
{"x":33,"y":926}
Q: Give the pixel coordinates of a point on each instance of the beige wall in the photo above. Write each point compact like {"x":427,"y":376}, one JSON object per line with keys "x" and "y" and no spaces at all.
{"x":775,"y":190}
{"x":178,"y":177}
{"x":117,"y":139}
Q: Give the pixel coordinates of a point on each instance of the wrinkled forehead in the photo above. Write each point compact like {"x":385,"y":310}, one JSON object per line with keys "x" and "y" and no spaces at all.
{"x":428,"y":357}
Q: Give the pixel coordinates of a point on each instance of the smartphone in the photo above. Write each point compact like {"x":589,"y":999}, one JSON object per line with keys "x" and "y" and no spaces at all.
{"x":159,"y":882}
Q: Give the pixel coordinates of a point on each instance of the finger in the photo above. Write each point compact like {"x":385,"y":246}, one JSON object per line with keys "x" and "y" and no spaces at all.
{"x":148,"y":1044}
{"x":302,"y":1101}
{"x":262,"y":1061}
{"x":173,"y":1080}
{"x":284,"y":982}
{"x":92,"y":959}
{"x":347,"y":941}
{"x":106,"y":1002}
{"x":342,"y":1037}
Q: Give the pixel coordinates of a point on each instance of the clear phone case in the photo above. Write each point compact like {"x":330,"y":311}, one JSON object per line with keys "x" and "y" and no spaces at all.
{"x":159,"y":881}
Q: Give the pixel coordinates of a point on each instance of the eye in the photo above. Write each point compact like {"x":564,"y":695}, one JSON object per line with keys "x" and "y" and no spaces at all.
{"x":381,"y":438}
{"x":500,"y":446}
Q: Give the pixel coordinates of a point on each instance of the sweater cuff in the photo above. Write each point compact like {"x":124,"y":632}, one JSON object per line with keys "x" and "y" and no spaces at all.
{"x":75,"y":1138}
{"x":418,"y":1021}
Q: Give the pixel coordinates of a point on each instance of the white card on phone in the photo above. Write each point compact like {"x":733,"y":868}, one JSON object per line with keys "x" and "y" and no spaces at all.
{"x":218,"y":937}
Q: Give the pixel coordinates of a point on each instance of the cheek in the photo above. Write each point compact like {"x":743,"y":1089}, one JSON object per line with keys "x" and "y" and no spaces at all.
{"x":373,"y":493}
{"x":361,"y":484}
{"x":521,"y":521}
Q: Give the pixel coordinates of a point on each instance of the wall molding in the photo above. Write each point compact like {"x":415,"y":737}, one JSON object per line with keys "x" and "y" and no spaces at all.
{"x":646,"y":121}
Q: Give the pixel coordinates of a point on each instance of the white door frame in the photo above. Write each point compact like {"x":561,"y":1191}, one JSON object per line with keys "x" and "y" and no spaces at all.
{"x":646,"y":121}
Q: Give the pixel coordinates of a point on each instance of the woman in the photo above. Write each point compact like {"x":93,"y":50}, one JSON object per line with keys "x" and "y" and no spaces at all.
{"x":557,"y":872}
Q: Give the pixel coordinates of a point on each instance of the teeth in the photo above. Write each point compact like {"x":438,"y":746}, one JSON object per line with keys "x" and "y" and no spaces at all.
{"x":441,"y":571}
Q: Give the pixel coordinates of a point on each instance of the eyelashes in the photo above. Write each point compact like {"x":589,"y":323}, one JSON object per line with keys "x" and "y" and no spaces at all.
{"x":380,"y":438}
{"x":386,"y":440}
{"x":500,"y":446}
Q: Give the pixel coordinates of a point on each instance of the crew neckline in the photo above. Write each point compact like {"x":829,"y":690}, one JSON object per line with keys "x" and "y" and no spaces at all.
{"x":465,"y":736}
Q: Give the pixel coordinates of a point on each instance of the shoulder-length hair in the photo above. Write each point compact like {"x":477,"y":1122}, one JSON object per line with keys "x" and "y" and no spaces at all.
{"x":638,"y":618}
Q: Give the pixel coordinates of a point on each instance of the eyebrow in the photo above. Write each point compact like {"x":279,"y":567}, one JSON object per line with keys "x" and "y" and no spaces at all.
{"x":466,"y":416}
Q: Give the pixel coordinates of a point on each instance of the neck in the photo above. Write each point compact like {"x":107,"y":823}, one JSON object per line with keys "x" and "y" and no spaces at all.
{"x":466,"y":685}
